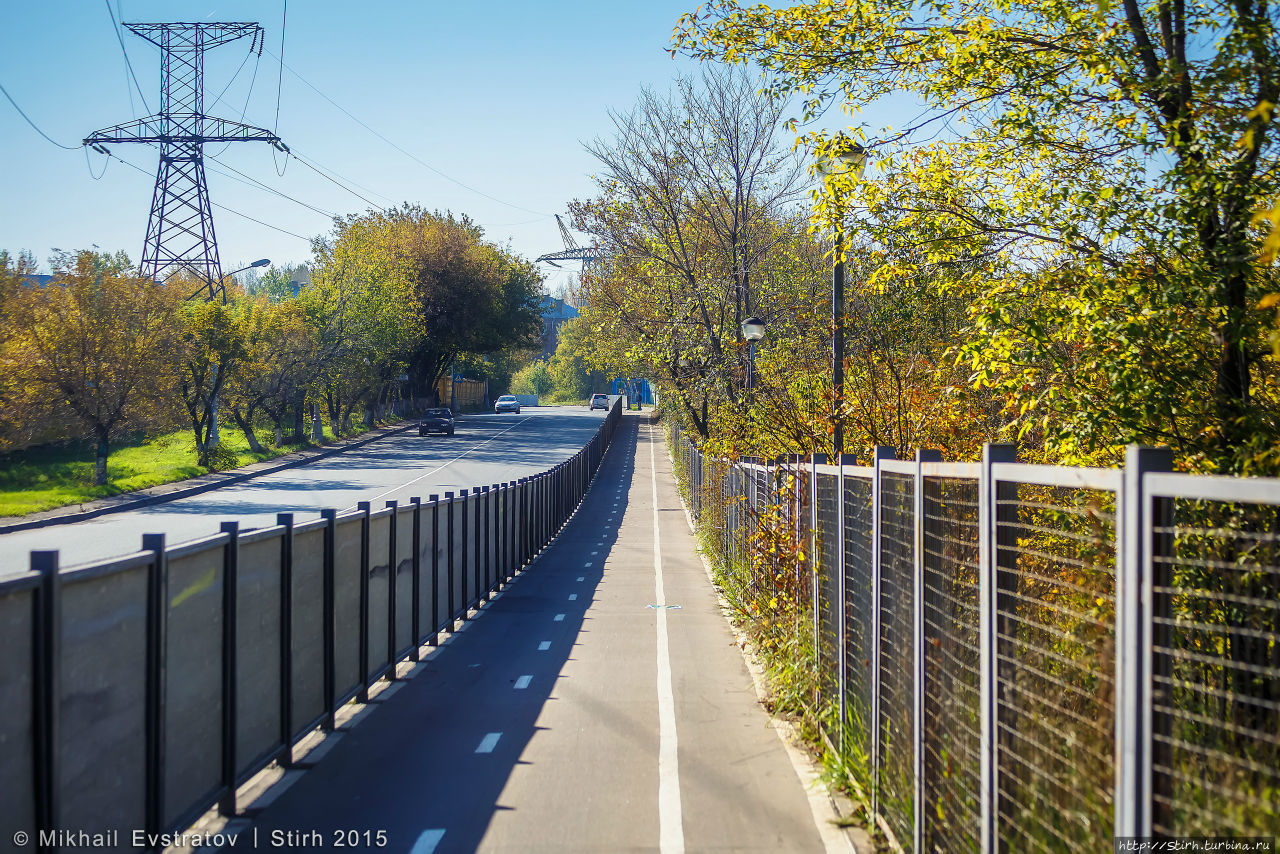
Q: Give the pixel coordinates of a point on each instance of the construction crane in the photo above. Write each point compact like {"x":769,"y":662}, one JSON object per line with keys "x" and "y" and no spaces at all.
{"x":572,"y":251}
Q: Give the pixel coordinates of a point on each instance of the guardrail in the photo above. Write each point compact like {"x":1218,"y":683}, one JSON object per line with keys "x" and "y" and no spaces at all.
{"x":138,"y":692}
{"x":1032,"y":657}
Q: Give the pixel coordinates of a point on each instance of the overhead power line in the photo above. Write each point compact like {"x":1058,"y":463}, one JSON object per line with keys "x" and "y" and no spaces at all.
{"x":248,"y":179}
{"x":284,"y":17}
{"x":403,"y":151}
{"x":335,"y":182}
{"x":115,"y":28}
{"x":294,"y":151}
{"x":34,"y":126}
{"x":138,"y":168}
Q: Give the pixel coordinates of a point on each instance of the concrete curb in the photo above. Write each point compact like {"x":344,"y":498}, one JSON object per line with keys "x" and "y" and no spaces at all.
{"x":209,"y":482}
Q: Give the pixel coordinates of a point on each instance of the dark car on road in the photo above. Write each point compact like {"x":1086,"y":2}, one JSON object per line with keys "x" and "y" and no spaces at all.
{"x":599,"y":401}
{"x":436,"y":421}
{"x":507,"y":403}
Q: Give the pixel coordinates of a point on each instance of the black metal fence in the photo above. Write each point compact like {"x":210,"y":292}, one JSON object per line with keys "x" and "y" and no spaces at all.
{"x":1030,"y":657}
{"x":137,"y":693}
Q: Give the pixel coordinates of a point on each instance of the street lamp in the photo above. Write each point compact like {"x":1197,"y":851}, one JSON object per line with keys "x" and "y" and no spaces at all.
{"x":753,"y":330}
{"x":853,"y":157}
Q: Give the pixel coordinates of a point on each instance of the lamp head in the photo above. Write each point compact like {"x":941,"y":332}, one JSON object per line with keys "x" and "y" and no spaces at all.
{"x":753,"y":328}
{"x":261,"y":262}
{"x":844,"y":156}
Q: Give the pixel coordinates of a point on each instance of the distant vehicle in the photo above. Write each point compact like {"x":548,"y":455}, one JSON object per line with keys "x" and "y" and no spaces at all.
{"x":507,"y":403}
{"x":599,"y":401}
{"x":436,"y":421}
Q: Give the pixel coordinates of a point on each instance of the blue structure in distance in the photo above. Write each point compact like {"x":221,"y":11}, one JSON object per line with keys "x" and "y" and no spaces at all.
{"x":634,"y":389}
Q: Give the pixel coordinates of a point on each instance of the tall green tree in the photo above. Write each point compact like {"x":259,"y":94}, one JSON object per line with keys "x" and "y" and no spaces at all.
{"x":95,"y":337}
{"x":1119,"y":150}
{"x":698,"y":217}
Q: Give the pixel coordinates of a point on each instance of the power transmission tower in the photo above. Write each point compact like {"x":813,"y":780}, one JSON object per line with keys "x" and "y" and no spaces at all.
{"x":572,"y":251}
{"x":180,"y":228}
{"x":588,"y":255}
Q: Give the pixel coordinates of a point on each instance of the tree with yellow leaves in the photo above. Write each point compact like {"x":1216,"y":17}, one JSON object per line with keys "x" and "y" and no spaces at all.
{"x":95,"y":337}
{"x":1116,"y":150}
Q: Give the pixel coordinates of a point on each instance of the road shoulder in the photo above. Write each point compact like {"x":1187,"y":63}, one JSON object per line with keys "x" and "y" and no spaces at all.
{"x":174,"y":490}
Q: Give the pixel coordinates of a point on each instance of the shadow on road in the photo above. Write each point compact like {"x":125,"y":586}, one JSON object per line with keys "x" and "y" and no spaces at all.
{"x":430,"y":762}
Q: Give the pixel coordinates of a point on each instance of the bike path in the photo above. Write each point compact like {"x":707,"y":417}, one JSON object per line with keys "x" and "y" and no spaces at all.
{"x":599,"y":703}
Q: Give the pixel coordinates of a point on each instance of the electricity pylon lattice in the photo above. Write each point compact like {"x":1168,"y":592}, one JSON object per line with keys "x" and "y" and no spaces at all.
{"x":180,"y":227}
{"x":572,"y":251}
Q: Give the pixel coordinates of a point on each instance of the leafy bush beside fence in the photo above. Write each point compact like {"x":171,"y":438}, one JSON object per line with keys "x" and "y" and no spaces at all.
{"x":1023,"y":657}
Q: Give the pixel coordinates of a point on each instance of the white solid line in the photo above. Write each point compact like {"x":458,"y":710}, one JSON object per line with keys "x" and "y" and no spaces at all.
{"x":670,"y":817}
{"x":559,"y":618}
{"x":427,"y":841}
{"x":544,"y":646}
{"x":573,"y":597}
{"x":523,"y":682}
{"x":489,"y":742}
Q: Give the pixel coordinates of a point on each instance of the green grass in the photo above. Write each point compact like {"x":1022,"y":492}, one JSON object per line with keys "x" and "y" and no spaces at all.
{"x":59,"y":475}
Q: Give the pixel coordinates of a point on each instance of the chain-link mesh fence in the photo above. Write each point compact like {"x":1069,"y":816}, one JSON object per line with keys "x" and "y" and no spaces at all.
{"x":1055,"y":656}
{"x":827,"y":568}
{"x":860,"y":627}
{"x":1046,"y":554}
{"x":1216,"y":669}
{"x":897,"y":652}
{"x":952,"y":666}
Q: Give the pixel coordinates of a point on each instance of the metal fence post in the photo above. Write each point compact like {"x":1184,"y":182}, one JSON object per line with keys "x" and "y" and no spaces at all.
{"x":462,"y":559}
{"x":880,"y":453}
{"x":363,"y":695}
{"x":393,"y":576}
{"x":1133,"y":642}
{"x":434,"y":640}
{"x":230,"y":575}
{"x":988,"y":571}
{"x":923,"y":455}
{"x":508,"y":531}
{"x":46,"y":693}
{"x":415,"y":583}
{"x":285,"y":755}
{"x":485,"y":539}
{"x":330,"y":653}
{"x":157,"y":632}
{"x":450,"y":605}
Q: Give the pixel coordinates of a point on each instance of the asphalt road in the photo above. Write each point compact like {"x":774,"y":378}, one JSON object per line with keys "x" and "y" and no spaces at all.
{"x":486,"y":449}
{"x":598,"y":704}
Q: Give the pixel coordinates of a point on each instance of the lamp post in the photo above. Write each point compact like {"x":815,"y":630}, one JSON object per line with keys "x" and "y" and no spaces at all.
{"x":854,"y":158}
{"x":213,"y":404}
{"x":753,"y":329}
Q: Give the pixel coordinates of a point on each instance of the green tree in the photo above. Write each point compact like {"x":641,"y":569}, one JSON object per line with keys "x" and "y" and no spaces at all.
{"x":95,"y":337}
{"x":278,"y":360}
{"x":1122,"y":146}
{"x":211,"y":343}
{"x":697,"y":215}
{"x":570,"y":368}
{"x":534,"y":378}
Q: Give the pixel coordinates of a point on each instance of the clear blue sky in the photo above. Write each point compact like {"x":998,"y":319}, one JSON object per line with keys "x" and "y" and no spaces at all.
{"x":497,"y":95}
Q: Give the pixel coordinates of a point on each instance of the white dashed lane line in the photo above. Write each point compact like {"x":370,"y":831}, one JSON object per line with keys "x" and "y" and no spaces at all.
{"x":523,"y":682}
{"x":544,"y":646}
{"x":559,"y":618}
{"x":489,"y":742}
{"x":427,"y":841}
